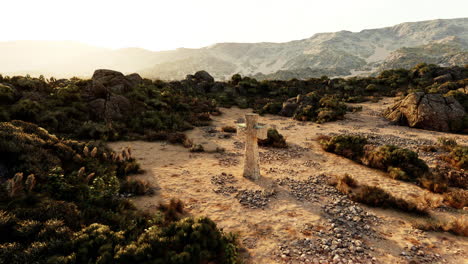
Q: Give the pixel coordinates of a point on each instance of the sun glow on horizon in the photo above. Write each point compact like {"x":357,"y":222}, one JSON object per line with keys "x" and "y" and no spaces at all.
{"x":166,"y":25}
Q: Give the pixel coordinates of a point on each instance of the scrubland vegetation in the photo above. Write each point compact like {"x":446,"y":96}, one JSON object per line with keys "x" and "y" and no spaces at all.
{"x":403,"y":164}
{"x":82,"y":109}
{"x":377,"y":197}
{"x":61,"y":191}
{"x":60,"y":203}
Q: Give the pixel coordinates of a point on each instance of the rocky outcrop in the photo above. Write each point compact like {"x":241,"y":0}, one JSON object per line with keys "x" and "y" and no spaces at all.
{"x":299,"y":104}
{"x":114,"y":81}
{"x":116,"y":107}
{"x":203,"y":76}
{"x":428,"y":111}
{"x":106,"y":85}
{"x":443,"y":78}
{"x":289,"y":107}
{"x":134,"y":78}
{"x":200,"y":76}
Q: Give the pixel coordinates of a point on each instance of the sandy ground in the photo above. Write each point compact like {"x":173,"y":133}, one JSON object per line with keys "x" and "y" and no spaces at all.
{"x":177,"y":173}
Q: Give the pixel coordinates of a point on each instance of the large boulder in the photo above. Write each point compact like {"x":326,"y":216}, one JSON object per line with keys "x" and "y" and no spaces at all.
{"x":288,"y":109}
{"x":443,"y":78}
{"x":116,"y":107}
{"x":295,"y":105}
{"x":135,"y":79}
{"x":114,"y":81}
{"x":428,"y":111}
{"x":203,"y":76}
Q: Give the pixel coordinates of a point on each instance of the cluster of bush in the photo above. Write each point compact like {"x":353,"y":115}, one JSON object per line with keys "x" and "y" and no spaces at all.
{"x":274,"y":139}
{"x":69,"y":107}
{"x":60,"y":203}
{"x":404,"y":164}
{"x":376,"y":197}
{"x":76,"y":109}
{"x":401,"y":164}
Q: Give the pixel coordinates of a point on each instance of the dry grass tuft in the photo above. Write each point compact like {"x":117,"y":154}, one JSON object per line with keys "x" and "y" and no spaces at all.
{"x":456,"y":198}
{"x":173,"y":210}
{"x":378,"y":197}
{"x":454,"y":225}
{"x":136,"y":187}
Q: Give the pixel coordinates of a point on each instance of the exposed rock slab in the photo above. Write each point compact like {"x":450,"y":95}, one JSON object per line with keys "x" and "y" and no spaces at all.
{"x":428,"y":111}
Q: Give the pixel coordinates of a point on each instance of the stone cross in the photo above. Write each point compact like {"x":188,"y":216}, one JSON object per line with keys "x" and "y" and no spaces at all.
{"x":251,"y":164}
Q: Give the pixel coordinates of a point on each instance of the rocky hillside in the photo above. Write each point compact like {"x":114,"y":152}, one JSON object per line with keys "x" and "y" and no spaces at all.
{"x":343,"y":53}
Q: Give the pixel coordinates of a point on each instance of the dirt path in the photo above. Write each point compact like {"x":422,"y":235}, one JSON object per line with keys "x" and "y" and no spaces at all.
{"x":297,"y":219}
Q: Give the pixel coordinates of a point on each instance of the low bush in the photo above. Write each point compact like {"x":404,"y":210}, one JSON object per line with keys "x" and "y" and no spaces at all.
{"x":135,"y":187}
{"x":274,"y":139}
{"x":229,"y":129}
{"x":455,"y":225}
{"x":173,"y":210}
{"x":60,"y":203}
{"x":351,"y":147}
{"x":177,"y":138}
{"x":271,"y":108}
{"x":377,"y":197}
{"x":402,"y":164}
{"x":447,"y":142}
{"x":458,"y":157}
{"x":197,"y":148}
{"x":456,"y":198}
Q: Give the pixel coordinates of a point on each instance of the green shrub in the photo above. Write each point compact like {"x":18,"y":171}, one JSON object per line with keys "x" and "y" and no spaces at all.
{"x":447,"y":142}
{"x":74,"y":215}
{"x":27,"y":110}
{"x":274,"y":139}
{"x":351,"y":147}
{"x":403,"y":164}
{"x":7,"y":94}
{"x":185,"y":241}
{"x":377,"y":197}
{"x":459,"y":157}
{"x":457,"y":198}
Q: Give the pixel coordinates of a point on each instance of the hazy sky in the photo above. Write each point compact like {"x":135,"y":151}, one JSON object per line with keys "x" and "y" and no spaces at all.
{"x":170,"y":24}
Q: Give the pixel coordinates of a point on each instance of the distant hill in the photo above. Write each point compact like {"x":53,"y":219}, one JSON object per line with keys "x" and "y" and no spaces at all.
{"x":343,"y":53}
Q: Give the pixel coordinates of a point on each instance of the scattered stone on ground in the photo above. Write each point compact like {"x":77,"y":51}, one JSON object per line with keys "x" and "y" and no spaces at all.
{"x":341,"y":238}
{"x":222,"y":182}
{"x":228,"y":159}
{"x":420,"y":254}
{"x":239,"y":145}
{"x":255,"y":199}
{"x":269,"y":155}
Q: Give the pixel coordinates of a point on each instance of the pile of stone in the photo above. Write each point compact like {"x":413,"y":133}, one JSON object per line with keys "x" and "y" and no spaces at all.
{"x":239,"y":145}
{"x":326,"y":250}
{"x":255,"y":199}
{"x":348,"y":216}
{"x":419,"y":254}
{"x":340,"y":240}
{"x":310,"y":189}
{"x":293,"y":152}
{"x":223,"y":184}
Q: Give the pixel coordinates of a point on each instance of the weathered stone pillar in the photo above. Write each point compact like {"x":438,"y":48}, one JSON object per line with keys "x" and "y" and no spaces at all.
{"x":251,"y":164}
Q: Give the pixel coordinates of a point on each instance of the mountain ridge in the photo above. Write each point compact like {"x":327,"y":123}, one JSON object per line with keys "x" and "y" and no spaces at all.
{"x":346,"y":52}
